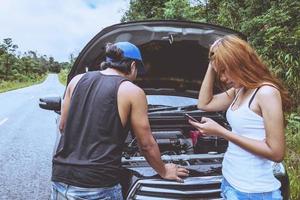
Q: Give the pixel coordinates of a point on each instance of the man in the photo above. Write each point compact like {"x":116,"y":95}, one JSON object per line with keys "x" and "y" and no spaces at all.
{"x":97,"y":111}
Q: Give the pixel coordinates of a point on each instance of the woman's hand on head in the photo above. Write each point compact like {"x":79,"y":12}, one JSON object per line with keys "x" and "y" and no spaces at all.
{"x":211,"y":67}
{"x":209,"y":127}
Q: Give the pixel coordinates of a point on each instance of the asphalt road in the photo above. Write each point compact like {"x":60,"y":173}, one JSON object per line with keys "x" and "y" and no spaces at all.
{"x":27,"y":137}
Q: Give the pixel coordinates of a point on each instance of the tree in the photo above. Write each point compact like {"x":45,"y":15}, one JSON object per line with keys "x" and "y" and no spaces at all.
{"x":144,"y":10}
{"x":54,"y":66}
{"x":181,"y":10}
{"x":7,"y":57}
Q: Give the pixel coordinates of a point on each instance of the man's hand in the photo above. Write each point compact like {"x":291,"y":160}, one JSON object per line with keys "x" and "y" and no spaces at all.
{"x":174,"y":172}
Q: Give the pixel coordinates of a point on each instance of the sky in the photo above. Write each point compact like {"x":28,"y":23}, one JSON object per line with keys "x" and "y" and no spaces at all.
{"x":57,"y":28}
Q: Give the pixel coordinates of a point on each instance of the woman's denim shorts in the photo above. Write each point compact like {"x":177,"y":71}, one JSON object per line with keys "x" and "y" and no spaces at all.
{"x":230,"y":193}
{"x":61,"y":191}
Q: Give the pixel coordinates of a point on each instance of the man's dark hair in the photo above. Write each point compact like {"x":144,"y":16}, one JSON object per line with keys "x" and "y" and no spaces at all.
{"x":115,"y":59}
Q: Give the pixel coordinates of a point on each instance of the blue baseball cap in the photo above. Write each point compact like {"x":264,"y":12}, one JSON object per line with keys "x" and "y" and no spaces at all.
{"x":132,"y":52}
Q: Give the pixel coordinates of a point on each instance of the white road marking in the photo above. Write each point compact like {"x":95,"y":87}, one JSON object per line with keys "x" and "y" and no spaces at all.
{"x":3,"y":121}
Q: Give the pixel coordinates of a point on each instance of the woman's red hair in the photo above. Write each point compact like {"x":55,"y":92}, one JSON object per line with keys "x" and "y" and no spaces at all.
{"x":240,"y":60}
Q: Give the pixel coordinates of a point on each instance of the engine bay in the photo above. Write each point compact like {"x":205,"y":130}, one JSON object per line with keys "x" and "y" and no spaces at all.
{"x":178,"y":142}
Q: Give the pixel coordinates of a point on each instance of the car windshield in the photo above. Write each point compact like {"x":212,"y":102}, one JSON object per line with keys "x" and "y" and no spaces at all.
{"x":170,"y":101}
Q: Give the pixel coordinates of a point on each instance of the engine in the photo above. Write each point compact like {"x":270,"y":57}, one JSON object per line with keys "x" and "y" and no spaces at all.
{"x":178,"y":142}
{"x":170,"y":142}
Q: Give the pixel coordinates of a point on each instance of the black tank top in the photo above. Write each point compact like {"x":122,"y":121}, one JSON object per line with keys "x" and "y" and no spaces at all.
{"x":90,"y":150}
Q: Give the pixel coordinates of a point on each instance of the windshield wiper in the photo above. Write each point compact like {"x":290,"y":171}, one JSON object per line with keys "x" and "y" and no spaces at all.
{"x":173,"y":108}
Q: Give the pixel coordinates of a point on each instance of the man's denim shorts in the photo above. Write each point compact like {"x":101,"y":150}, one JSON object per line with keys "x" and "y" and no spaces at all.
{"x":61,"y":191}
{"x":230,"y":193}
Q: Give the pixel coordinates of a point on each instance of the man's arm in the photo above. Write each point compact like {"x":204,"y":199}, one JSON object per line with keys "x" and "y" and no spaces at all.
{"x":66,"y":102}
{"x":148,"y":146}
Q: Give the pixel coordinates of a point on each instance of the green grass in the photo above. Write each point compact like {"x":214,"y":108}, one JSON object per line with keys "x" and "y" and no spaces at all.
{"x":12,"y":85}
{"x":63,"y":75}
{"x":292,"y":158}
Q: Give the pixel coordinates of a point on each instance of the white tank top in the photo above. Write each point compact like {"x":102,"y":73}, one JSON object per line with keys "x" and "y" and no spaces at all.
{"x":243,"y":170}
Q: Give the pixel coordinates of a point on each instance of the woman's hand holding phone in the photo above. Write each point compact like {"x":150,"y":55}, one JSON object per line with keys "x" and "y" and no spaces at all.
{"x":191,"y":118}
{"x":207,"y":126}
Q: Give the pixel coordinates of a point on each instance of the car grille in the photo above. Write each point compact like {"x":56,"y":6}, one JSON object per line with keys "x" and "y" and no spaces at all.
{"x":193,"y":188}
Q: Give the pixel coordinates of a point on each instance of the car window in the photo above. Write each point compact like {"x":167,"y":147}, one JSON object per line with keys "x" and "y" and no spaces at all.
{"x":168,"y":100}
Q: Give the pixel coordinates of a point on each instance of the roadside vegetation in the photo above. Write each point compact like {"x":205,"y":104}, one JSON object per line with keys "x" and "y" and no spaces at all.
{"x":63,"y":75}
{"x":12,"y":85}
{"x":21,"y":70}
{"x":272,"y":27}
{"x":292,"y":159}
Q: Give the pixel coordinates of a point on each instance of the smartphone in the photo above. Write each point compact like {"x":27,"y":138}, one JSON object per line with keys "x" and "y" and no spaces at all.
{"x":191,"y":118}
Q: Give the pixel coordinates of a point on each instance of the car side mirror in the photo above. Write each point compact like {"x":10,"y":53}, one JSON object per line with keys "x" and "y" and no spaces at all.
{"x":51,"y":103}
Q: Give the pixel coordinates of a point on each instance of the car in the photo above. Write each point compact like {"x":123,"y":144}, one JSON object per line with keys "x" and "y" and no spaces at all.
{"x":175,"y":55}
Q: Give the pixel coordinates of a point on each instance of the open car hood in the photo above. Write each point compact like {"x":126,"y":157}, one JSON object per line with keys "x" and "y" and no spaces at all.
{"x":175,"y":53}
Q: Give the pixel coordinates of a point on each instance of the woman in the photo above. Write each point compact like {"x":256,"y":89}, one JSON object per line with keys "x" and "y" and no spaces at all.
{"x":254,"y":102}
